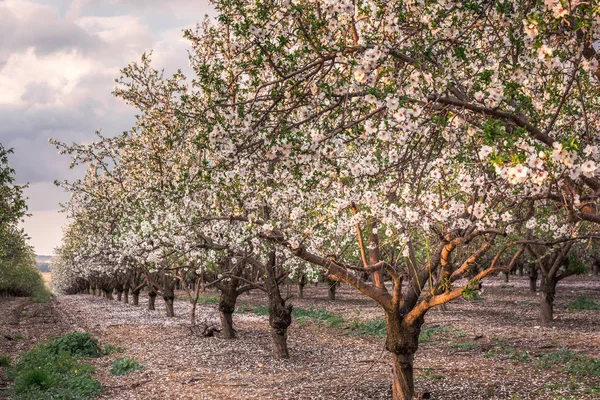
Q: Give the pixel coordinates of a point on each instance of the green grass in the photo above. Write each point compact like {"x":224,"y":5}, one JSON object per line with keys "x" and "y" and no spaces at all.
{"x":42,"y":295}
{"x":427,"y":334}
{"x":110,"y":349}
{"x":470,"y":345}
{"x":4,"y":361}
{"x":583,"y":303}
{"x":52,"y":370}
{"x":374,"y":327}
{"x":428,"y":373}
{"x":571,"y":362}
{"x":208,"y":300}
{"x":125,"y":365}
{"x":319,"y":316}
{"x":18,"y":336}
{"x":503,"y":350}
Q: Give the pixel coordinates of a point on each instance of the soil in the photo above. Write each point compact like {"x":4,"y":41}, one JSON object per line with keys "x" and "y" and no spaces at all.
{"x":484,"y":349}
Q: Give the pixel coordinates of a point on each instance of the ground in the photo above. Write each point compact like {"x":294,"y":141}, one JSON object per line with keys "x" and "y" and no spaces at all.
{"x":493,"y":348}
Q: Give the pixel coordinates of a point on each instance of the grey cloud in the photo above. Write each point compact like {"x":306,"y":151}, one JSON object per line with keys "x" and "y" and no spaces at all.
{"x":43,"y":30}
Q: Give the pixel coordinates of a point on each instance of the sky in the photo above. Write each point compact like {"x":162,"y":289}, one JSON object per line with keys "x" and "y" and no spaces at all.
{"x":58,"y":62}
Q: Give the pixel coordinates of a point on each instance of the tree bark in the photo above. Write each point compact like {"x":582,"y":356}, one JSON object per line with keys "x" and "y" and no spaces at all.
{"x":126,"y":296}
{"x":135,"y":298}
{"x":301,"y":284}
{"x":226,"y":308}
{"x":151,"y":300}
{"x":227,"y":331}
{"x":402,"y":341}
{"x":533,"y":276}
{"x":280,"y":314}
{"x":169,"y":306}
{"x":119,"y":295}
{"x":505,"y":277}
{"x":547,"y":291}
{"x":331,"y":285}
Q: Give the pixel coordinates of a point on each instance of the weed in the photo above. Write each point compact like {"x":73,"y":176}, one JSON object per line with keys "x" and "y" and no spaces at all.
{"x":125,"y":365}
{"x":18,"y":336}
{"x":208,"y":300}
{"x":318,"y":316}
{"x":244,"y":307}
{"x":504,"y":350}
{"x":110,"y":349}
{"x":4,"y":361}
{"x":374,"y":327}
{"x":260,"y":310}
{"x":431,"y":375}
{"x":583,"y":303}
{"x":428,"y":333}
{"x":78,"y":344}
{"x":581,"y":365}
{"x":561,"y":356}
{"x":51,"y":371}
{"x":459,"y":333}
{"x":470,"y":345}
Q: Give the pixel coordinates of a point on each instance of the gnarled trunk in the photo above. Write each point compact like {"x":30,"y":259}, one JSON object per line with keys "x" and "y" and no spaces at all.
{"x":226,"y":308}
{"x":533,"y":276}
{"x":331,"y":285}
{"x":151,"y":300}
{"x":402,"y":341}
{"x":169,"y":306}
{"x":280,"y":314}
{"x":301,"y":284}
{"x":135,"y":298}
{"x":547,"y":294}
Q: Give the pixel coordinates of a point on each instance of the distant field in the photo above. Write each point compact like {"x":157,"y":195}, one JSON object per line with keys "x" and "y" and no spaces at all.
{"x":47,"y":279}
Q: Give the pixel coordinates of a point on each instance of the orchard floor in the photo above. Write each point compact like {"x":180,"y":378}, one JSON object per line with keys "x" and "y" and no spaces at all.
{"x":486,"y":349}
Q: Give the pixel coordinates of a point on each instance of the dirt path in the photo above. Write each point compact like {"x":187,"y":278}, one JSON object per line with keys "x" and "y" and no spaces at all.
{"x":488,"y":349}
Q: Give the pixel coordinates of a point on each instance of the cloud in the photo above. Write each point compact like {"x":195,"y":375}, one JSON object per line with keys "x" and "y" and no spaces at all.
{"x":58,"y":61}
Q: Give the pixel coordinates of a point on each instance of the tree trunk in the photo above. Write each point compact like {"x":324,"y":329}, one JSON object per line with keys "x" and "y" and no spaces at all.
{"x":331,"y":285}
{"x":533,"y":276}
{"x":151,"y":300}
{"x":506,"y":277}
{"x":108,"y":294}
{"x":301,"y":284}
{"x":169,"y":306}
{"x":226,"y":308}
{"x":193,"y":313}
{"x":280,"y":314}
{"x":227,"y":331}
{"x":126,"y":296}
{"x":595,"y":269}
{"x":119,"y":296}
{"x":547,"y":291}
{"x":402,"y":341}
{"x":135,"y":298}
{"x":280,"y":349}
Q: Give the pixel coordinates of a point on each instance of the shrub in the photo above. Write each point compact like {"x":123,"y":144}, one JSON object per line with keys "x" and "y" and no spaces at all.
{"x":125,"y":365}
{"x":583,"y":303}
{"x":78,"y":345}
{"x":51,"y":371}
